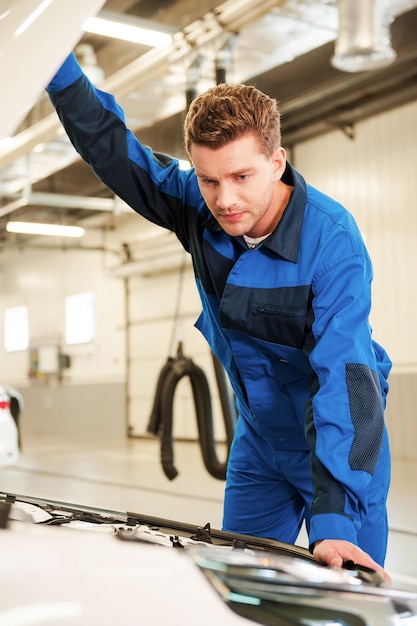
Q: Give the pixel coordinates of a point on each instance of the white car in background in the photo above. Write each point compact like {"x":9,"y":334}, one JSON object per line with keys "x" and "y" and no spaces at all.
{"x":9,"y":437}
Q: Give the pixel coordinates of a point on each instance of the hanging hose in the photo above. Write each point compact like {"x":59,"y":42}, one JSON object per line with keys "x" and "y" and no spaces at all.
{"x":155,"y":419}
{"x":161,"y":416}
{"x":161,"y":419}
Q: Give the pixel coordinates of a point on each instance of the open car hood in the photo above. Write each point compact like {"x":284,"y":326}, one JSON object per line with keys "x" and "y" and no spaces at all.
{"x":35,"y":37}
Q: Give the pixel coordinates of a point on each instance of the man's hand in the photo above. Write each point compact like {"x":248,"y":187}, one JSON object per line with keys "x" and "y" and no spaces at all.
{"x":335,"y":552}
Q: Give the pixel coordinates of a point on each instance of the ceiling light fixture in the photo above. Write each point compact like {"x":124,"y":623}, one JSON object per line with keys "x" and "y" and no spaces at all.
{"x":55,"y":230}
{"x":363,"y":42}
{"x":111,"y":24}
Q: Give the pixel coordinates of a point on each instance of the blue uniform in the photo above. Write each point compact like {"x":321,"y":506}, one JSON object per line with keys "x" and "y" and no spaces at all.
{"x":289,"y":322}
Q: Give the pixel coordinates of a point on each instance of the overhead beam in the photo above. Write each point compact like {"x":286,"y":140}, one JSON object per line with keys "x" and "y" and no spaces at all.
{"x":66,"y":201}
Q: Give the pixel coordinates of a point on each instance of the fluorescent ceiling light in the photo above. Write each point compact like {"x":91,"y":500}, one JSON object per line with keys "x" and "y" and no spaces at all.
{"x":55,"y":230}
{"x":111,"y":25}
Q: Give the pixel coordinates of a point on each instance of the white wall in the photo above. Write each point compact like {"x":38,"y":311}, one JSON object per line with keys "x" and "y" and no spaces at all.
{"x":41,"y":280}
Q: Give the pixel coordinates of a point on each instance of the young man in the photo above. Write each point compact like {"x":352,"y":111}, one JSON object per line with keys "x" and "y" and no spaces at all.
{"x":285,"y":284}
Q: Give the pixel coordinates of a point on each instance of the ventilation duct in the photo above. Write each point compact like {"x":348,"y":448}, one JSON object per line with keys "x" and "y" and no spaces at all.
{"x":363,"y":41}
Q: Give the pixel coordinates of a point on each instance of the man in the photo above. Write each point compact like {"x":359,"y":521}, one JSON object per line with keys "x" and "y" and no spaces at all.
{"x":285,"y":284}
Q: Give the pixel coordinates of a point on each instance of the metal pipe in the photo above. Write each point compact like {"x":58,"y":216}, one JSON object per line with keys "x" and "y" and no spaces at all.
{"x":65,"y":201}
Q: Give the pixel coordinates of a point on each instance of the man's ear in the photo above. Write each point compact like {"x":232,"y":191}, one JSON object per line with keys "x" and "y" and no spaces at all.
{"x":279,"y":161}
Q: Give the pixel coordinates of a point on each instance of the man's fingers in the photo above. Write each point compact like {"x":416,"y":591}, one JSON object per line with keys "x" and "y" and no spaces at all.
{"x":336,"y":552}
{"x":336,"y":561}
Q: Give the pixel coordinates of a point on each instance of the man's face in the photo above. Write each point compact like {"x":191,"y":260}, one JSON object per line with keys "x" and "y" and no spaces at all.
{"x":240,"y":185}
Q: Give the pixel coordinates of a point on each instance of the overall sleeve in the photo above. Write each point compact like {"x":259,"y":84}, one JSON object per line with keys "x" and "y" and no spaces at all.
{"x":151,"y":183}
{"x":345,"y":417}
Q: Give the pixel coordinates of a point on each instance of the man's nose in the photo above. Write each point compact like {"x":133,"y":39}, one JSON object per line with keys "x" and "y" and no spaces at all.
{"x":226,"y":197}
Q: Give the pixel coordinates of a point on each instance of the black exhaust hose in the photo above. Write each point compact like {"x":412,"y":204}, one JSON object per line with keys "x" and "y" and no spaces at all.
{"x":202,"y":403}
{"x":156,"y":416}
{"x":173,"y":376}
{"x":203,"y":409}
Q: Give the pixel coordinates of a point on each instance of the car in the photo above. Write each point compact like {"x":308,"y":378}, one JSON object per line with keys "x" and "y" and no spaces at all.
{"x":82,"y":565}
{"x":9,"y":436}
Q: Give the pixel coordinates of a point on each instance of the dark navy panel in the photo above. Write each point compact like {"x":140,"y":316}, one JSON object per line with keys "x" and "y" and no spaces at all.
{"x":280,"y":315}
{"x":329,"y":495}
{"x":219,"y":263}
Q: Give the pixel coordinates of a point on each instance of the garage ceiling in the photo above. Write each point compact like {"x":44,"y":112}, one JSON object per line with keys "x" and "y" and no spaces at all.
{"x":283,"y":47}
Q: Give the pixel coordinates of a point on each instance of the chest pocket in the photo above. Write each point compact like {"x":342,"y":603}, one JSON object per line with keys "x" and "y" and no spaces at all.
{"x":280,"y":315}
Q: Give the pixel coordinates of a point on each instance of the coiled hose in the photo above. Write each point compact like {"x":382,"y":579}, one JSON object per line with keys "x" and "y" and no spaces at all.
{"x":162,"y":413}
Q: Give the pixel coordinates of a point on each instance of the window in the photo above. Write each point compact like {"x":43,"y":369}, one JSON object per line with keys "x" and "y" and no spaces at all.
{"x":79,"y":318}
{"x":16,"y":329}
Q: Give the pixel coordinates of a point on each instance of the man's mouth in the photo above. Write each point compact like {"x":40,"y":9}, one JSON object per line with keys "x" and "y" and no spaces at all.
{"x":231,"y":217}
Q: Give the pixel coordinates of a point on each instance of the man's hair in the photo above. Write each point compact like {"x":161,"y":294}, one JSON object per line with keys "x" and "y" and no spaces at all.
{"x":226,"y":112}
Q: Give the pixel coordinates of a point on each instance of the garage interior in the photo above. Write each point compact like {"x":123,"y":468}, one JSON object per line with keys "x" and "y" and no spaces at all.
{"x":285,"y":48}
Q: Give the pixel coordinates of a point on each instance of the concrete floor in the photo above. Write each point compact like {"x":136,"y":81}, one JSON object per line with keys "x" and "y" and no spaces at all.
{"x":126,"y":475}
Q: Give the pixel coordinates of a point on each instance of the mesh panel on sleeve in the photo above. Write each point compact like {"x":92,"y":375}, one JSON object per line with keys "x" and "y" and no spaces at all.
{"x":367,"y":415}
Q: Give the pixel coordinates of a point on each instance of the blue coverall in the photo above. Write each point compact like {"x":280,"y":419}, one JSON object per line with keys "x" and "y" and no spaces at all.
{"x":289,"y":322}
